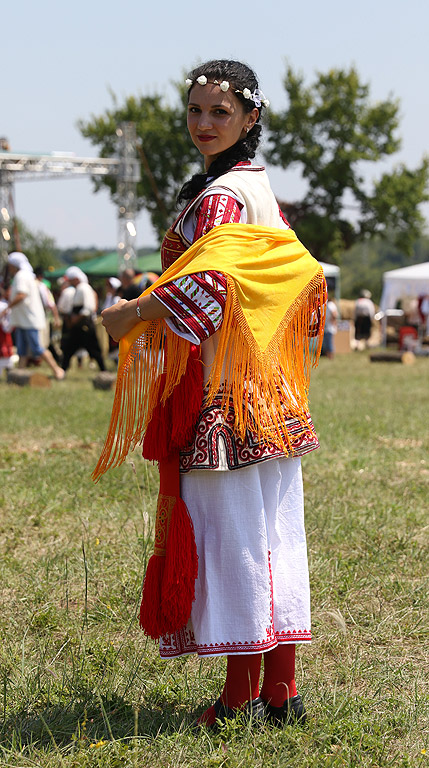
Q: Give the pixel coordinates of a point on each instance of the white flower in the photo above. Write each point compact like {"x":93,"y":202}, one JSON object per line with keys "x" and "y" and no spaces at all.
{"x":188,"y":82}
{"x":202,"y":80}
{"x":246,"y":93}
{"x":266,"y":103}
{"x":224,"y":85}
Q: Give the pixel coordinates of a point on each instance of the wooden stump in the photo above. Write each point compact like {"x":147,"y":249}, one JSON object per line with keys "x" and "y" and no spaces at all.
{"x":40,"y":381}
{"x":104,"y":380}
{"x":24,"y":377}
{"x":407,"y":358}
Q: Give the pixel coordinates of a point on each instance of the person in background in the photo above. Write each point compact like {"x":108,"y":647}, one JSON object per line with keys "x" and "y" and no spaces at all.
{"x":81,"y":330}
{"x":423,"y":311}
{"x":65,"y":299}
{"x":27,"y":314}
{"x":65,"y":306}
{"x":113,"y":285}
{"x":130,"y":284}
{"x":331,"y":326}
{"x":6,"y":343}
{"x":363,"y":317}
{"x":53,"y":320}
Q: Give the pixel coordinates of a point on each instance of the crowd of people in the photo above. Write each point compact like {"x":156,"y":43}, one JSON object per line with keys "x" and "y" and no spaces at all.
{"x":54,"y":323}
{"x":362,"y":317}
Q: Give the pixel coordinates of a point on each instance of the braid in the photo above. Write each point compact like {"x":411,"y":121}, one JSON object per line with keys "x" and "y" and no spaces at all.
{"x":192,"y":188}
{"x":240,"y":76}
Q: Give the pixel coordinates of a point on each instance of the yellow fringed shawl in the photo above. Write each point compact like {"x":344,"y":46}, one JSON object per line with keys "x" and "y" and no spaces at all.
{"x":276,"y":294}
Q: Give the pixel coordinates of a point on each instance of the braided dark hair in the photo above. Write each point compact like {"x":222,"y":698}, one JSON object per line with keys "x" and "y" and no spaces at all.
{"x":239,"y":76}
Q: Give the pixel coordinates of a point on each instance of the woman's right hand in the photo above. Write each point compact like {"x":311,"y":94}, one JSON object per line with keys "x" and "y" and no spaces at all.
{"x":119,"y":319}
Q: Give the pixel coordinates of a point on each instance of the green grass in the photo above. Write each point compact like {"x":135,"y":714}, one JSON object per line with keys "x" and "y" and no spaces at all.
{"x":80,"y":685}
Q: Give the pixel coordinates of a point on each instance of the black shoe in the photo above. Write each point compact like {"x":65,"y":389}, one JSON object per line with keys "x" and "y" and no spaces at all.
{"x":291,"y":713}
{"x":252,"y":710}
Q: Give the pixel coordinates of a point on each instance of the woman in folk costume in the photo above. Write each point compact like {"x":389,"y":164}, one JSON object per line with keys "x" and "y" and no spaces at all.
{"x":238,"y":314}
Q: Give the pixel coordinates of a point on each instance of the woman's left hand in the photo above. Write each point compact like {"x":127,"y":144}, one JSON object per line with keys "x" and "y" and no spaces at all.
{"x":119,"y":319}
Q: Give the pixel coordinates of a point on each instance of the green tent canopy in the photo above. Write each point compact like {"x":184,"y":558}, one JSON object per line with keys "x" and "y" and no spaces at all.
{"x":108,"y":265}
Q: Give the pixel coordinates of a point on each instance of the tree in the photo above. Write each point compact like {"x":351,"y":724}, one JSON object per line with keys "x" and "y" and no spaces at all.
{"x":39,"y":248}
{"x":363,"y":265}
{"x":167,"y":155}
{"x":331,"y":131}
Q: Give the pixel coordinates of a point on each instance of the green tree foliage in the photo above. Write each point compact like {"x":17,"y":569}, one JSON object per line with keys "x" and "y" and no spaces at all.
{"x":167,"y":155}
{"x":331,"y":132}
{"x":39,"y":248}
{"x":363,"y":265}
{"x":395,"y":204}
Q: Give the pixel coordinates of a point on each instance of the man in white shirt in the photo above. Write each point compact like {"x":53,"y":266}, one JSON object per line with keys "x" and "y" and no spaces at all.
{"x":81,"y":328}
{"x":27,"y":315}
{"x":364,"y":315}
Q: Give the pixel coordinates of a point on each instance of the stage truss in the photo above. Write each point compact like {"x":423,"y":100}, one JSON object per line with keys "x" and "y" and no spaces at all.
{"x":31,"y":167}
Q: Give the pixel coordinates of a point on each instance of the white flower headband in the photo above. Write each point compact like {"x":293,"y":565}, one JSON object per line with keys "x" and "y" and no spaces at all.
{"x":257,"y":96}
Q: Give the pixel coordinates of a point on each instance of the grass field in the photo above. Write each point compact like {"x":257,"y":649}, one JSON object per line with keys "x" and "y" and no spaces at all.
{"x":79,"y":683}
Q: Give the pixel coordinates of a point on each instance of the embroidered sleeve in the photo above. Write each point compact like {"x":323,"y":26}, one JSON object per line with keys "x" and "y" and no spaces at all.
{"x":197,"y":301}
{"x":215,"y":210}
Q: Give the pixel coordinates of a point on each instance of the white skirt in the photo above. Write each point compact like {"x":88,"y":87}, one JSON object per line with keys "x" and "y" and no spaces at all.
{"x":252,"y":590}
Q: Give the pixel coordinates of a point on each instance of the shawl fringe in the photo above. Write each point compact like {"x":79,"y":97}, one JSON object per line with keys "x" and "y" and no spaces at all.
{"x":267,"y":386}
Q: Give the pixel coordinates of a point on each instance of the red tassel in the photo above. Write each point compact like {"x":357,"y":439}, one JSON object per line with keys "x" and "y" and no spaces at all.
{"x":172,"y":424}
{"x":181,"y":569}
{"x":151,"y":619}
{"x":169,"y":584}
{"x":156,"y":443}
{"x":186,"y":401}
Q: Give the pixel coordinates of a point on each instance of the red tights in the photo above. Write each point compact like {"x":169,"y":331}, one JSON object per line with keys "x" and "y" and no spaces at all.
{"x":242,"y":680}
{"x":279,"y":675}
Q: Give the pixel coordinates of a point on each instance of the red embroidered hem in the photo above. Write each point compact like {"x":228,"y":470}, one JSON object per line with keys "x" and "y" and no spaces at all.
{"x":182,"y":646}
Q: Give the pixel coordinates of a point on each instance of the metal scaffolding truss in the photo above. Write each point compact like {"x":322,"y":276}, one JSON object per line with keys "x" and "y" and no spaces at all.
{"x":27,"y":167}
{"x":33,"y":167}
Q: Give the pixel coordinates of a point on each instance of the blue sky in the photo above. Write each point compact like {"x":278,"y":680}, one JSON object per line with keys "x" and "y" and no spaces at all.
{"x":59,"y":62}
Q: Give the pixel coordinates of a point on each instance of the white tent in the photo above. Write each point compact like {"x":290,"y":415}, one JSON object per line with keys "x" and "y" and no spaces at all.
{"x":408,"y":282}
{"x":332,"y":272}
